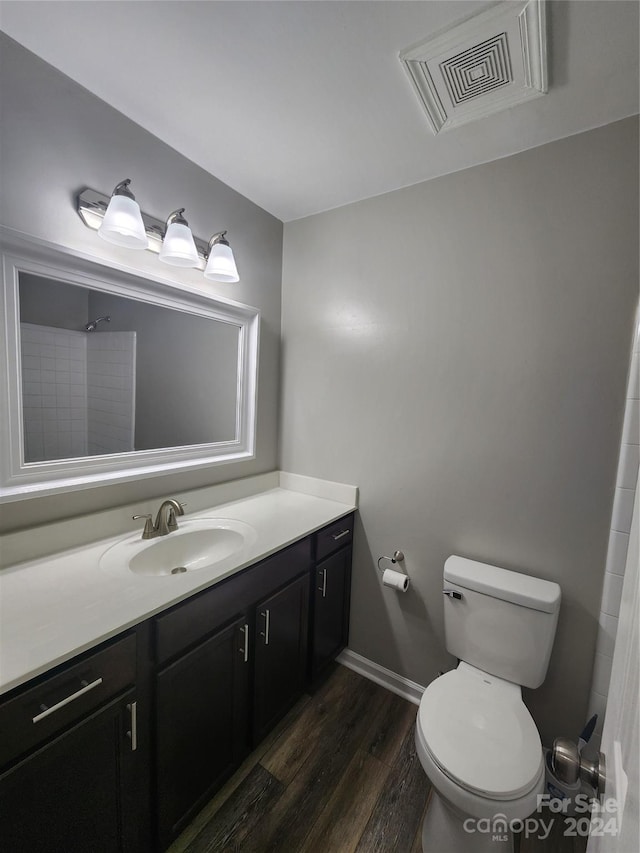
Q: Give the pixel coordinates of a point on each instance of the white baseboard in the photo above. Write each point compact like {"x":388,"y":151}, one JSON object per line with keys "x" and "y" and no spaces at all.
{"x":381,"y":675}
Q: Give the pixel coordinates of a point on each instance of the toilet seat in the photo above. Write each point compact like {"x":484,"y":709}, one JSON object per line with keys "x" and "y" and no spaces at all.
{"x":479,"y":733}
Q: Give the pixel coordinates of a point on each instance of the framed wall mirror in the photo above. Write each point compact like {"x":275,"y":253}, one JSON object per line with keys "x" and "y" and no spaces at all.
{"x":111,"y":375}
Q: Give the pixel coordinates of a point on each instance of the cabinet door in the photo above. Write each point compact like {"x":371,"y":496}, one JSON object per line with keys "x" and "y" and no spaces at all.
{"x":75,"y":793}
{"x":280,"y":654}
{"x":201,"y":725}
{"x":332,"y":583}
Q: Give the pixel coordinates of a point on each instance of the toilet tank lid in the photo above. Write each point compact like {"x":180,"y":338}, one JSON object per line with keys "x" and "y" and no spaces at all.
{"x":510,"y":586}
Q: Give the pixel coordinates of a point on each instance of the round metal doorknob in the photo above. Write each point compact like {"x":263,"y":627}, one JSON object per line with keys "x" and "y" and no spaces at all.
{"x":594,"y":772}
{"x":565,"y":760}
{"x":569,"y":766}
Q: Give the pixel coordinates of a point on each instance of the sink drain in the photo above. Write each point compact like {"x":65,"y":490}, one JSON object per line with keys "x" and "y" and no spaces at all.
{"x":178,"y":570}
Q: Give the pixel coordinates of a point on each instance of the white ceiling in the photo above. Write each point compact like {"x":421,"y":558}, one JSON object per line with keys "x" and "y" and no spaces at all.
{"x":304,"y":106}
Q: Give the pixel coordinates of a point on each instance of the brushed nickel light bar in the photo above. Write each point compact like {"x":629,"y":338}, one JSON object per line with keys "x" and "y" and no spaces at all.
{"x":215,"y":255}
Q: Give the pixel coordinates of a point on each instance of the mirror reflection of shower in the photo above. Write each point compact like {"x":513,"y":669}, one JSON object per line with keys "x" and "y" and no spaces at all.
{"x":93,"y":325}
{"x":78,"y":389}
{"x":98,"y":378}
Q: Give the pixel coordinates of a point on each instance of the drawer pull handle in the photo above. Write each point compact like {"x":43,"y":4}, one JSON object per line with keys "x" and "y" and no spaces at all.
{"x":132,"y":734}
{"x":323,"y":588}
{"x":340,"y":535}
{"x":245,"y":647}
{"x":266,"y":615}
{"x":84,"y":689}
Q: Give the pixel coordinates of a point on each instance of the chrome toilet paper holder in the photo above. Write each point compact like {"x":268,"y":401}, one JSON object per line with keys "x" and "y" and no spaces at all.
{"x":397,"y":580}
{"x":398,"y":557}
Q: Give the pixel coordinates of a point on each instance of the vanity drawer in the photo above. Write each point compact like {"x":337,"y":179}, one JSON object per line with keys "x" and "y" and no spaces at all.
{"x":188,"y":623}
{"x":57,"y":701}
{"x":335,"y":536}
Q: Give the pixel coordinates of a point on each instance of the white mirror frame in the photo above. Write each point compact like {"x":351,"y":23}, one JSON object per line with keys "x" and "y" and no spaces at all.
{"x":20,"y":480}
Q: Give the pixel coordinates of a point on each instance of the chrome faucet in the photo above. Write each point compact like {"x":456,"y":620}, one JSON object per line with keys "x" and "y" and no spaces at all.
{"x":165,"y":519}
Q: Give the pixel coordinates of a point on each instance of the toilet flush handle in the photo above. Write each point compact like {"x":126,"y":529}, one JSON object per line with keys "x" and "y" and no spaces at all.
{"x":452,"y":593}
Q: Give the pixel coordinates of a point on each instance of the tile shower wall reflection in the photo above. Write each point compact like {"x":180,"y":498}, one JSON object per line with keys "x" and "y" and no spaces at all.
{"x":78,"y":392}
{"x":54,"y":388}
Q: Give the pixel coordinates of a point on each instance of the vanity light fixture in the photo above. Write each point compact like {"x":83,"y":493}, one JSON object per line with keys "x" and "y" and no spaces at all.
{"x":171,"y":240}
{"x":221,"y":265}
{"x":122,"y":223}
{"x":178,"y":247}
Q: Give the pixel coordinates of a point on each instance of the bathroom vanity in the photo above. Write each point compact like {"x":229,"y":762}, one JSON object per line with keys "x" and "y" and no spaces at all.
{"x":118,"y":747}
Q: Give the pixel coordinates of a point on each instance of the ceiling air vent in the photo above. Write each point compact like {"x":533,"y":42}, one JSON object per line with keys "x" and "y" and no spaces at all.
{"x":484,"y":64}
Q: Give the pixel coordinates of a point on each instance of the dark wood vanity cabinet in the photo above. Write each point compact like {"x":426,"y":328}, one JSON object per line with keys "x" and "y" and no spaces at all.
{"x":280,"y":654}
{"x":330,"y":594}
{"x":71,"y":778}
{"x":230,"y":662}
{"x":72,"y":795}
{"x":201,"y":712}
{"x":118,"y":749}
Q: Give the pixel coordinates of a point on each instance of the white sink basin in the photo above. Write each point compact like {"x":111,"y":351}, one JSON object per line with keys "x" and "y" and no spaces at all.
{"x":197,"y":544}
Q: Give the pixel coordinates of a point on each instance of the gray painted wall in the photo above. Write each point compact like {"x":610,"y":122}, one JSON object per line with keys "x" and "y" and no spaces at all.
{"x":459,"y":350}
{"x":55,"y":139}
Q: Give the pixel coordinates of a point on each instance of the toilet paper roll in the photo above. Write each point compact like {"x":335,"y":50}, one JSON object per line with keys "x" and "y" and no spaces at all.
{"x":396,"y":580}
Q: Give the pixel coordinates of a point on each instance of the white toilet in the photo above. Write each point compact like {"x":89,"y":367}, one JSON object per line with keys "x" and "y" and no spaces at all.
{"x":474,"y":736}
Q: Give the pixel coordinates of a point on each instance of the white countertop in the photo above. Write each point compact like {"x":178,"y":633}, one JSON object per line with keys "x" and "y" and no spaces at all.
{"x":57,"y":606}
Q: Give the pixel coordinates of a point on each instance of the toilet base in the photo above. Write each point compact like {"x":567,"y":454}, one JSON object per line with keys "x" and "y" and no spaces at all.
{"x":443,"y":831}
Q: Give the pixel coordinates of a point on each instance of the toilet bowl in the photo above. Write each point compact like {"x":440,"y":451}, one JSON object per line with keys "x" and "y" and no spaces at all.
{"x":479,"y":745}
{"x":475,"y":738}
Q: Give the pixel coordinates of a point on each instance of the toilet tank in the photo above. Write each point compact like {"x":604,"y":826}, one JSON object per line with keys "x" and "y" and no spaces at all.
{"x":503,"y":622}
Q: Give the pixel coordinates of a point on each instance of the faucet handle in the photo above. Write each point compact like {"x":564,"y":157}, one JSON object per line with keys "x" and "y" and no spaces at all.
{"x":172,"y":522}
{"x":148,"y":531}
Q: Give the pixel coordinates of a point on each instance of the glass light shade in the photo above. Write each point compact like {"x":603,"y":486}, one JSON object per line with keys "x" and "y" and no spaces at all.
{"x":221,"y":265}
{"x":178,"y":248}
{"x":123,"y":225}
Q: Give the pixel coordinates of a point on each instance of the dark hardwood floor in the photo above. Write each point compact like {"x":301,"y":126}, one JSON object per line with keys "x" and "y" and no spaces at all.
{"x":338,"y":775}
{"x":329,"y":778}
